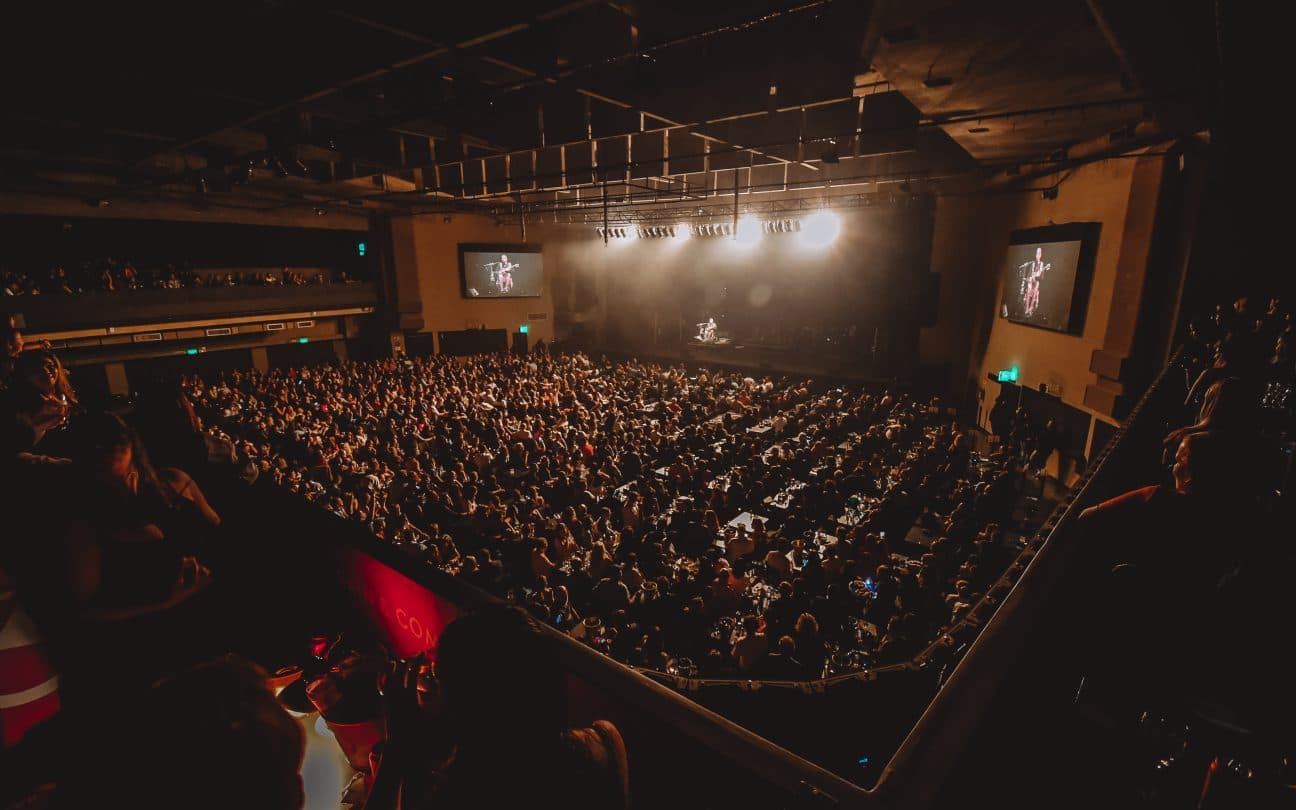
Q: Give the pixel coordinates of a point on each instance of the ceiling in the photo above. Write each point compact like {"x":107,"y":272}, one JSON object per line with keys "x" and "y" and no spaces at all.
{"x":518,"y":106}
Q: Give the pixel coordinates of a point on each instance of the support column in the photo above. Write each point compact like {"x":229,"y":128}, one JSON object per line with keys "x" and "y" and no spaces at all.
{"x":260,"y":361}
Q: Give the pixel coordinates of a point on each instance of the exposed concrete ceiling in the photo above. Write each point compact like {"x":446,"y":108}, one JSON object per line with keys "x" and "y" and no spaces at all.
{"x":392,"y":104}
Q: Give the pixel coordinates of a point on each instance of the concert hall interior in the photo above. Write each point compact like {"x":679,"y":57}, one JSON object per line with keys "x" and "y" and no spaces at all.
{"x":609,"y":403}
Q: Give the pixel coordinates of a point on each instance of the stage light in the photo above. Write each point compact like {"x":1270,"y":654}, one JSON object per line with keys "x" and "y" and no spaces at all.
{"x":680,"y":233}
{"x":820,"y":229}
{"x":749,"y":232}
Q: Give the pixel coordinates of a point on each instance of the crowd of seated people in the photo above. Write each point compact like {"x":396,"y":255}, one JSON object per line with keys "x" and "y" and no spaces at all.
{"x":704,"y":523}
{"x":116,"y":274}
{"x":115,"y":680}
{"x":1196,"y":553}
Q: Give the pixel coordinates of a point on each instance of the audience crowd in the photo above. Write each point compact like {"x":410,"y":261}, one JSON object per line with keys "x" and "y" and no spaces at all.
{"x":116,"y":274}
{"x":699,"y":522}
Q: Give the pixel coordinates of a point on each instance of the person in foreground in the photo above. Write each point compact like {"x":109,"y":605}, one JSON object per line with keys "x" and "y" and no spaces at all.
{"x":208,"y":737}
{"x":499,"y":700}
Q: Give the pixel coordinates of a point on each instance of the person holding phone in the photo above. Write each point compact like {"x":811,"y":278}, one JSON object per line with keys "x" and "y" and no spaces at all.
{"x":36,"y":399}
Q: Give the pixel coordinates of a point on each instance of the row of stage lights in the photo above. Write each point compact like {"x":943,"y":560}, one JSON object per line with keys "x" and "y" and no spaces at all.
{"x":819,"y":229}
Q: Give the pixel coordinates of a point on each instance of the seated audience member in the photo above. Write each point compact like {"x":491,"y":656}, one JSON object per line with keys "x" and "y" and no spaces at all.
{"x":501,"y":697}
{"x":1176,"y":546}
{"x":37,"y":398}
{"x":781,"y":663}
{"x":112,"y":572}
{"x":749,"y":650}
{"x":1228,"y":404}
{"x":142,"y":522}
{"x":810,"y":650}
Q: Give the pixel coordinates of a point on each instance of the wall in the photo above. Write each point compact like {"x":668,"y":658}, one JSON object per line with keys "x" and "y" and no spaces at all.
{"x":968,"y":251}
{"x":425,"y":255}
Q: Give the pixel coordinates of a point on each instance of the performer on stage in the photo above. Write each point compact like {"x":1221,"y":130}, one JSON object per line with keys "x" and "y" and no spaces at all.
{"x":502,"y":274}
{"x":707,"y":331}
{"x":1032,"y":272}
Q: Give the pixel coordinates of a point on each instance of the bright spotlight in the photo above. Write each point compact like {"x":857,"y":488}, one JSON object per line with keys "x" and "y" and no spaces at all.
{"x":681,"y":233}
{"x":820,"y":229}
{"x":749,"y":232}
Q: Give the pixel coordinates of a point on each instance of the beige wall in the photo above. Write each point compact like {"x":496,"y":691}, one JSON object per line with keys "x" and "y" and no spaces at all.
{"x":425,"y":252}
{"x":968,"y":251}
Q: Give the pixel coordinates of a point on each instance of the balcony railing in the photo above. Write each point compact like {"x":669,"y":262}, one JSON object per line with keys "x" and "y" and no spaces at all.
{"x":43,"y":314}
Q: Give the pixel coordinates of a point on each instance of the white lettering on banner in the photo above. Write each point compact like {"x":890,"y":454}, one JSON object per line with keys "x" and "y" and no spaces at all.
{"x":413,"y":626}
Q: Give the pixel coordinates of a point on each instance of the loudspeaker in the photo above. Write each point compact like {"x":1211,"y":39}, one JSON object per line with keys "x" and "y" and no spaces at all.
{"x":888,"y":124}
{"x":929,"y":300}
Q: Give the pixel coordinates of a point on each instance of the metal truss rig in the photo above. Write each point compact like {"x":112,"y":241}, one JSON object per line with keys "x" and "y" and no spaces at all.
{"x":714,"y":209}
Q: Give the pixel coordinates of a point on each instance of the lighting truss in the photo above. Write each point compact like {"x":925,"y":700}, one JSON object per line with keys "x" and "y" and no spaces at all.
{"x":704,"y":230}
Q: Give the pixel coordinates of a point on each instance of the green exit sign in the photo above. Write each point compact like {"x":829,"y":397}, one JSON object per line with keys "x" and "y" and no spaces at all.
{"x":524,"y":329}
{"x":360,"y":248}
{"x":1008,"y":375}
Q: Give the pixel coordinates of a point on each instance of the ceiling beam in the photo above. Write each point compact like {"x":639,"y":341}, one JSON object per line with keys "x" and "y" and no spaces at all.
{"x":873,"y":32}
{"x":1129,"y":75}
{"x":436,"y":50}
{"x":625,"y":105}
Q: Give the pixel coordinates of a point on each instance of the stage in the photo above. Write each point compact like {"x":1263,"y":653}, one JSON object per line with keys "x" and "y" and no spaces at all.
{"x":835,"y":362}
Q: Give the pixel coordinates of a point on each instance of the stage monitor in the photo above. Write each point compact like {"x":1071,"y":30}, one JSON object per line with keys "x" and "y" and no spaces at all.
{"x":501,"y":270}
{"x":1047,"y":275}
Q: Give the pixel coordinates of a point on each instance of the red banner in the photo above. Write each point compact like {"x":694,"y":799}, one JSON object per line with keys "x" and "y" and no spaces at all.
{"x":410,"y":616}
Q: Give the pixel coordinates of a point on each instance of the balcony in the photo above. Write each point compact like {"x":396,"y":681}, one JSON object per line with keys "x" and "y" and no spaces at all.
{"x":52,"y":314}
